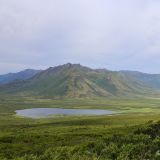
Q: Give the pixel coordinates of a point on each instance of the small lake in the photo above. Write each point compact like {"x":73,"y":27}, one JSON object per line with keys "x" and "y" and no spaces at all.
{"x":57,"y":112}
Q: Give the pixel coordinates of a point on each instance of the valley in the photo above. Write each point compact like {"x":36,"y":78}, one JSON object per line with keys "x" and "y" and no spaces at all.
{"x":131,"y":133}
{"x":72,"y":137}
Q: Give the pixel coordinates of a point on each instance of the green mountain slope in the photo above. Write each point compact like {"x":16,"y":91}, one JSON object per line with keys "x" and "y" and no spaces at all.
{"x":74,"y":80}
{"x":152,"y":80}
{"x":23,"y":75}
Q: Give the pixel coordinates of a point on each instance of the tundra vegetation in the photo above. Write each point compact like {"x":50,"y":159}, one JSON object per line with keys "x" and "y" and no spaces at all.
{"x":133,"y":133}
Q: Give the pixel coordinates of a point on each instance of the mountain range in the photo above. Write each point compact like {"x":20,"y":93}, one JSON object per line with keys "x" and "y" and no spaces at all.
{"x":23,"y":75}
{"x":76,"y":81}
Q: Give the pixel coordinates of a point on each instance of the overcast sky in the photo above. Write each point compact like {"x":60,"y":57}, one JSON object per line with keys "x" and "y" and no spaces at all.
{"x":112,"y":34}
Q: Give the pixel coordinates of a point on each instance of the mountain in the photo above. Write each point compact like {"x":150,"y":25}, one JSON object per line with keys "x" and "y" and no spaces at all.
{"x":152,"y":80}
{"x":75,"y":81}
{"x":23,"y":75}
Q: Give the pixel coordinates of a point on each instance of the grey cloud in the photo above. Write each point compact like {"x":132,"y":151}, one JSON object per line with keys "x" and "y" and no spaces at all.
{"x":99,"y":33}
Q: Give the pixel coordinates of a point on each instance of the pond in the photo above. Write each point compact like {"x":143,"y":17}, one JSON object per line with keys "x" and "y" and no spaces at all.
{"x":54,"y":112}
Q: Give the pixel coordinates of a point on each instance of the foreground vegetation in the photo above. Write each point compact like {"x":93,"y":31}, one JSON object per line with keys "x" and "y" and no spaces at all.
{"x":134,"y":133}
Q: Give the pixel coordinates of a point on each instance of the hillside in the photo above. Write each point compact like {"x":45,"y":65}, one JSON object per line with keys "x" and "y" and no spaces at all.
{"x":74,"y":80}
{"x":23,"y":75}
{"x":152,"y":80}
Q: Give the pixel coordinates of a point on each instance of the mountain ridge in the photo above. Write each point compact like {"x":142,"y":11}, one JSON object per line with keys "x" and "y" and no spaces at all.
{"x":77,"y":81}
{"x":22,"y":75}
{"x":149,"y":79}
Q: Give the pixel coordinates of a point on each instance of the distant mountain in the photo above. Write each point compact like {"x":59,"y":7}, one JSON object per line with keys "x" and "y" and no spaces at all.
{"x":75,"y":81}
{"x":152,"y":80}
{"x":23,"y":75}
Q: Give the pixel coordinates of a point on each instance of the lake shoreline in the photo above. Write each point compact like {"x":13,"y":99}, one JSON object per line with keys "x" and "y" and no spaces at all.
{"x":60,"y":112}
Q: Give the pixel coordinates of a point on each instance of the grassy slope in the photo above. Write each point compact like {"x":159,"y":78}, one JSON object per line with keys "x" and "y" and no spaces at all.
{"x":152,"y":80}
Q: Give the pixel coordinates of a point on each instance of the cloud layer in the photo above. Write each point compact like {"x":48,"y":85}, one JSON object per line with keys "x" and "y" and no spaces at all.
{"x":109,"y":34}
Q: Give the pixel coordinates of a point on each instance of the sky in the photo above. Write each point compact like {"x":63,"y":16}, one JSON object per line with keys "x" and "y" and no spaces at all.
{"x":111,"y":34}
